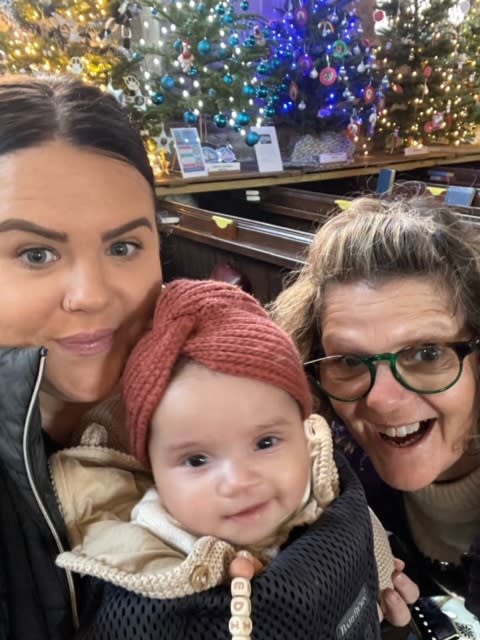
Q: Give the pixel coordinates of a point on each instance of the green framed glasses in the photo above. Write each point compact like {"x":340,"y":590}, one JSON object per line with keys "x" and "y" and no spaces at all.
{"x":426,"y":369}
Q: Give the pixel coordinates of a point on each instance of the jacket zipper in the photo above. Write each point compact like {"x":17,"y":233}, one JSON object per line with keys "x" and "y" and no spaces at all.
{"x":41,"y":505}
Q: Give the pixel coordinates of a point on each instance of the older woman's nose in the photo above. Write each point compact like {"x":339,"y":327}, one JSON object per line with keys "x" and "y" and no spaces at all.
{"x":387,"y":392}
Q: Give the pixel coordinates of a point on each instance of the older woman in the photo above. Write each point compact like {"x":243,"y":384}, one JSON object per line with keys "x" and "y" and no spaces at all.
{"x":79,"y":274}
{"x":387,"y":313}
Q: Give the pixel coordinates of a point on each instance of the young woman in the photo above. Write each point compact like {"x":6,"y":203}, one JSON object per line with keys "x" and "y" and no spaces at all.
{"x":79,"y":275}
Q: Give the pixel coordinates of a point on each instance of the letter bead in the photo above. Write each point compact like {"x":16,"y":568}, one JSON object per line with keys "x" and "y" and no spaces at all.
{"x":240,"y":587}
{"x":240,"y":626}
{"x":240,"y":606}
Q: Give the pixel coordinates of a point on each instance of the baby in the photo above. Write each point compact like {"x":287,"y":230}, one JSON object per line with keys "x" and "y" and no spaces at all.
{"x":219,"y":409}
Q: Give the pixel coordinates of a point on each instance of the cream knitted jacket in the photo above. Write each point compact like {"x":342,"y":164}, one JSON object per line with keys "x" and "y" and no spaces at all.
{"x":98,"y":488}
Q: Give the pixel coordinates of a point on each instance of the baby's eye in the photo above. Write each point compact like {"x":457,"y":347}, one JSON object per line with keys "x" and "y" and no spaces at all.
{"x":267,"y":442}
{"x":124,"y":249}
{"x":38,"y":256}
{"x":197,"y":460}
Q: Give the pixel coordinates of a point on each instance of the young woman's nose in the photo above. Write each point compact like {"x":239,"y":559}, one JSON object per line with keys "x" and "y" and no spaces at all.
{"x":238,"y":476}
{"x":88,"y":288}
{"x":387,"y":392}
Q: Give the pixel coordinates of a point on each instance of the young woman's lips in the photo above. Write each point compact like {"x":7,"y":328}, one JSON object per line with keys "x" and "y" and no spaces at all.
{"x":88,"y":344}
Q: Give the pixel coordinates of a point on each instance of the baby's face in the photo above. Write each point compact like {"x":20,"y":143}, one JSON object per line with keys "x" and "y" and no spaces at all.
{"x":229,"y":455}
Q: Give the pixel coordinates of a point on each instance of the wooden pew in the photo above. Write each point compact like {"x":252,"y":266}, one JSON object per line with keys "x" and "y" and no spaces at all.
{"x":318,"y":207}
{"x":451,"y":195}
{"x":283,"y":206}
{"x":455,"y":174}
{"x":196,"y":240}
{"x":203,"y":239}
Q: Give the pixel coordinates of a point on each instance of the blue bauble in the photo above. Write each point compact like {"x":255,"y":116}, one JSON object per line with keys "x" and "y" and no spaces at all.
{"x":228,"y":79}
{"x":212,"y":93}
{"x":267,"y":32}
{"x":154,"y":11}
{"x":168,"y":82}
{"x":204,"y":47}
{"x":262,"y":91}
{"x":249,"y":42}
{"x":220,"y":9}
{"x":193,"y":71}
{"x":252,"y":138}
{"x":201,"y":8}
{"x":248,"y":90}
{"x":190,"y":117}
{"x":223,"y":51}
{"x":137,"y":56}
{"x":233,"y":40}
{"x":244,"y":5}
{"x":262,"y":68}
{"x":178,"y":45}
{"x":242,"y":119}
{"x":228,"y":18}
{"x":157,"y":97}
{"x":269,"y":112}
{"x":220,"y":120}
{"x":276,"y":63}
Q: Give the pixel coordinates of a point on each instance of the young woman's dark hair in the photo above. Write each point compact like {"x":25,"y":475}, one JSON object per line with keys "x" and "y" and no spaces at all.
{"x":37,"y":110}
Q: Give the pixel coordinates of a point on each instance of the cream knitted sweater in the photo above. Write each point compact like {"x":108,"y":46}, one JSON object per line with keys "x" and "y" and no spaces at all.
{"x":444,"y":517}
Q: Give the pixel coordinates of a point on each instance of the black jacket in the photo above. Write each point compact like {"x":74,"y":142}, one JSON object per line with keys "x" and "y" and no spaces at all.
{"x":37,"y":600}
{"x":323,"y":584}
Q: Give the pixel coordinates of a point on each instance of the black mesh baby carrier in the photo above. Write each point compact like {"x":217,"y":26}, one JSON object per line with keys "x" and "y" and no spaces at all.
{"x":321,"y":586}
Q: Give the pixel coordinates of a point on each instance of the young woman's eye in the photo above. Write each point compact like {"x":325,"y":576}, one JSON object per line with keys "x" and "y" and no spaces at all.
{"x":38,"y":256}
{"x":196,"y":461}
{"x":124,"y":249}
{"x":267,"y":443}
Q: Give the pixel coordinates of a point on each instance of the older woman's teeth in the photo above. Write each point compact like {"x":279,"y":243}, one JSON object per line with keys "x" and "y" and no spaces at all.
{"x":401,"y":432}
{"x":407,"y":434}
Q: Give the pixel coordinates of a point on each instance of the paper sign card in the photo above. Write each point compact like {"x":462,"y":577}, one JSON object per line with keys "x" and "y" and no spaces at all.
{"x":189,"y":152}
{"x":267,"y":150}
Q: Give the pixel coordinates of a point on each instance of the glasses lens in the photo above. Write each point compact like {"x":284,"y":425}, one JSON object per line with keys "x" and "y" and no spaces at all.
{"x":343,"y":377}
{"x":429,"y":368}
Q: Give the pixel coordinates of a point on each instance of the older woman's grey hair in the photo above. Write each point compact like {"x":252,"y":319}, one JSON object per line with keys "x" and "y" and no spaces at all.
{"x":377,"y":240}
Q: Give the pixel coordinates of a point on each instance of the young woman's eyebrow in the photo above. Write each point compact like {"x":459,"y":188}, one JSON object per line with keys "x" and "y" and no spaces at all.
{"x":128,"y":226}
{"x":19,"y":224}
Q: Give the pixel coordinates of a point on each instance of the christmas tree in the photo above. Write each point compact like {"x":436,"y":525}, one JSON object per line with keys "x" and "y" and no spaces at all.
{"x":467,"y":101}
{"x":328,"y":63}
{"x":420,"y":72}
{"x":86,"y":37}
{"x":209,"y":63}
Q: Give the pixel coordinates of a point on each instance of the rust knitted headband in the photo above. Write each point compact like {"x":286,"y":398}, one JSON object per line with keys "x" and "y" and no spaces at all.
{"x":219,"y":326}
